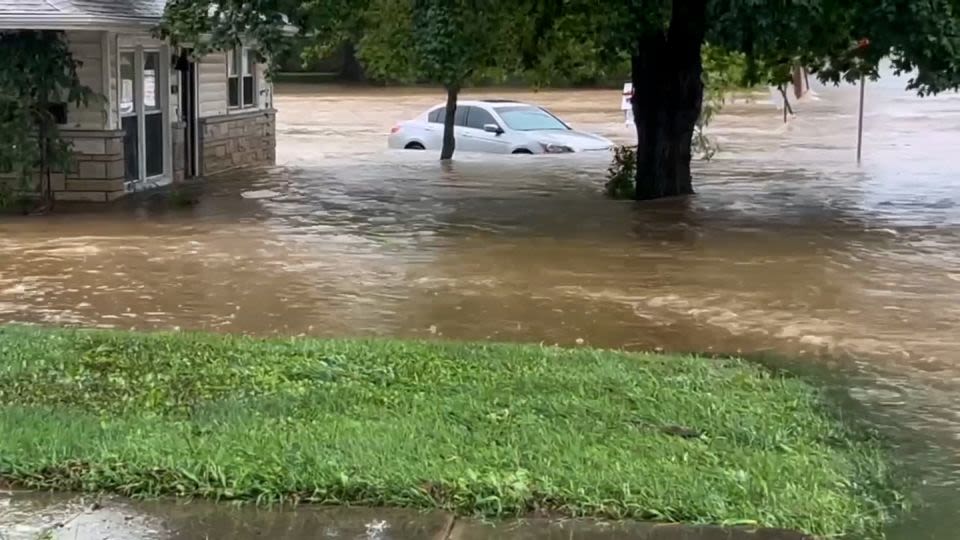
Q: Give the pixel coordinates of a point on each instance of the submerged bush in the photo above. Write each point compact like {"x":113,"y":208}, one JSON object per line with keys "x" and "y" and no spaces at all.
{"x":622,"y":173}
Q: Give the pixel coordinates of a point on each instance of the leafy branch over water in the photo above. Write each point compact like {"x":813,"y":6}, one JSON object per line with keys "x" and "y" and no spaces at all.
{"x":37,"y":75}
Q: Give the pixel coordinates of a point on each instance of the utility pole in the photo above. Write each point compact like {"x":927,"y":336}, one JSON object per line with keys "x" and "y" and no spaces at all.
{"x":863,"y":84}
{"x":861,"y":48}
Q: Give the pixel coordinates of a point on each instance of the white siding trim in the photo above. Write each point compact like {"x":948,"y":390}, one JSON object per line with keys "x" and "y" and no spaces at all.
{"x":129,"y":41}
{"x":212,"y":84}
{"x":166,"y":103}
{"x":110,"y":67}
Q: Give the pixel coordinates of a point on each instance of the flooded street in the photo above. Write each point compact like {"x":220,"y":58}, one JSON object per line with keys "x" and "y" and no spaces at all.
{"x":789,"y":250}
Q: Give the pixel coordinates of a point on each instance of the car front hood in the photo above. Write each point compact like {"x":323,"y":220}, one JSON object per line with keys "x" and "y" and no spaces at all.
{"x":577,"y":140}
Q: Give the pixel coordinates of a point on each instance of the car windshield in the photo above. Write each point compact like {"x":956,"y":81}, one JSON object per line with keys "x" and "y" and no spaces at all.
{"x":525,"y":118}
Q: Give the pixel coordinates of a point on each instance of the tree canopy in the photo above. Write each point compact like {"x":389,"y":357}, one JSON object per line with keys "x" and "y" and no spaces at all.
{"x":838,"y":40}
{"x":451,"y":42}
{"x":917,"y":36}
{"x":444,"y":42}
{"x":223,"y":24}
{"x":563,"y":38}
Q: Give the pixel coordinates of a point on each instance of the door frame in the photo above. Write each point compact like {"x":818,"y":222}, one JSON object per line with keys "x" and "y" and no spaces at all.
{"x":121,"y":115}
{"x":190,"y":115}
{"x":479,"y":140}
{"x":162,"y":91}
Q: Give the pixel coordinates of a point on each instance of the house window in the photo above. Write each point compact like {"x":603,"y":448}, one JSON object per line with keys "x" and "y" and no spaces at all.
{"x":241,"y":78}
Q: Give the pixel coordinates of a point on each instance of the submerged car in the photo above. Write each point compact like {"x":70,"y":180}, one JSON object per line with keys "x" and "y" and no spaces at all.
{"x":496,"y":127}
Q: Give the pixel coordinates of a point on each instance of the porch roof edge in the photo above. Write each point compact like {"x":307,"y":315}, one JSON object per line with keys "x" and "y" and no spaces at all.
{"x":75,"y":22}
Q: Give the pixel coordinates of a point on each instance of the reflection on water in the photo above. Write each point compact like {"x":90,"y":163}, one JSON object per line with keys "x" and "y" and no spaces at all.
{"x":789,"y":249}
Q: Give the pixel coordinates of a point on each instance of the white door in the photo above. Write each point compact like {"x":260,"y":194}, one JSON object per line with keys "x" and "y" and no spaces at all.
{"x":142,"y":76}
{"x":154,"y":129}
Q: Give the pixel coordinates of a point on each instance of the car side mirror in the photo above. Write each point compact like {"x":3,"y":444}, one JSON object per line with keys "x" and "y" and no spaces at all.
{"x":492,"y":128}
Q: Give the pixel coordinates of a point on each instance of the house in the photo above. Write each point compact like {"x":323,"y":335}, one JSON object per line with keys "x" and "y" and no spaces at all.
{"x":165,"y":115}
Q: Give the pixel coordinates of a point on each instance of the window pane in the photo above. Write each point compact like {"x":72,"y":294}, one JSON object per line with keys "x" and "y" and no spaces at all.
{"x":248,"y":97}
{"x":479,"y":117}
{"x":126,"y":82}
{"x":233,"y":92}
{"x":59,"y":112}
{"x":251,"y":63}
{"x":153,"y":124}
{"x":151,"y":81}
{"x":437,"y":116}
{"x":131,"y":148}
{"x":460,"y":118}
{"x":233,"y":62}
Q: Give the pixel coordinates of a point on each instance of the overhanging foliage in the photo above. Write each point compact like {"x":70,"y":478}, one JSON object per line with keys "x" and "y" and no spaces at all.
{"x":38,"y":71}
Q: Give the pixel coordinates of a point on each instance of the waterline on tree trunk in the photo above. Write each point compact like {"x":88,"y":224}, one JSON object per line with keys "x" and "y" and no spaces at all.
{"x":449,"y":138}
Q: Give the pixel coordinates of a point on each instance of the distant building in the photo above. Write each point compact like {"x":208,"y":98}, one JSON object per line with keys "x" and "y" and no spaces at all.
{"x":165,"y":116}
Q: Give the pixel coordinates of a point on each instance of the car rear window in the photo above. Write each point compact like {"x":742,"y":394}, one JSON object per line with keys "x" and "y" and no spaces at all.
{"x":460,"y":118}
{"x":437,"y":116}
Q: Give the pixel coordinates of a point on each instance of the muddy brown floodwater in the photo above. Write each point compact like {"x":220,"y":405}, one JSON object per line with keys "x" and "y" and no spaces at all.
{"x":789,"y":250}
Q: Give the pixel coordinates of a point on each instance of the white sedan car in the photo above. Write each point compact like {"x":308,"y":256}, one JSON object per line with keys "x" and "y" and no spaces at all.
{"x":496,"y":127}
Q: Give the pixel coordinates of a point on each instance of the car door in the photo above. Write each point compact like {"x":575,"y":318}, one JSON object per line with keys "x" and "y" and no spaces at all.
{"x":479,"y":140}
{"x":460,"y":123}
{"x":433,"y":129}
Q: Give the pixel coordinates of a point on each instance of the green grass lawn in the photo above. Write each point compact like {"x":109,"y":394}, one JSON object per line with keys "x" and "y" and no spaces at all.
{"x":475,"y":428}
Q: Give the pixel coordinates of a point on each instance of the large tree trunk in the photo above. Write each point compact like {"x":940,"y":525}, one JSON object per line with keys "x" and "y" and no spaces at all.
{"x":43,"y":139}
{"x":667,"y":99}
{"x":351,"y":70}
{"x":449,"y":141}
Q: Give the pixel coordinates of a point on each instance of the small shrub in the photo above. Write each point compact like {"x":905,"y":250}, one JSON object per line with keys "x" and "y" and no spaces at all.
{"x":6,"y":196}
{"x":622,"y":173}
{"x":182,"y":197}
{"x":15,"y":201}
{"x":704,"y":146}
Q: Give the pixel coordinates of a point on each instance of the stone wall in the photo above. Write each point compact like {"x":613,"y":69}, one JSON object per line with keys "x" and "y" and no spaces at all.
{"x":228,"y":142}
{"x":237,"y":140}
{"x":96,"y":173}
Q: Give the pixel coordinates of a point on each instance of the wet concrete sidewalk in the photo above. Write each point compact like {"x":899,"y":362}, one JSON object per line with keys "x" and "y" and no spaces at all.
{"x":31,"y":516}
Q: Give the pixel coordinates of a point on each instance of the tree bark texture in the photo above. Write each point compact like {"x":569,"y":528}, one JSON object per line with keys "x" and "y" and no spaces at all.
{"x":667,"y":80}
{"x":43,"y":139}
{"x":351,"y":70}
{"x":449,"y":140}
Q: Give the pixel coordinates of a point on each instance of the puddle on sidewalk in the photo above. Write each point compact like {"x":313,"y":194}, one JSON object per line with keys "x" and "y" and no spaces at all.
{"x":35,"y":516}
{"x":29,"y":516}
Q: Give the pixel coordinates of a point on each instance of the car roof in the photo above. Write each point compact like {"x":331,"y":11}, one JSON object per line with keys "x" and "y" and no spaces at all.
{"x":485,"y":102}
